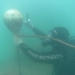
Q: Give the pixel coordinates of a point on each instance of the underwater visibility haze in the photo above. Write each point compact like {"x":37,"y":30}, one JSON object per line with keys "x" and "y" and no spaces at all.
{"x":45,"y":15}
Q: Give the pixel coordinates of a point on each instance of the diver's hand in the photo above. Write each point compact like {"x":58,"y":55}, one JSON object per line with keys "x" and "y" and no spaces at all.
{"x":17,"y":40}
{"x":28,"y":23}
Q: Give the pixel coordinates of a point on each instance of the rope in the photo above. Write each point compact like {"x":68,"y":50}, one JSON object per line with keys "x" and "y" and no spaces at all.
{"x":57,"y":40}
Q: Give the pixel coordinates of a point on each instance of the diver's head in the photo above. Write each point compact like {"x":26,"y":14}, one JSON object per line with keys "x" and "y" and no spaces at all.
{"x":60,"y":33}
{"x":13,"y":20}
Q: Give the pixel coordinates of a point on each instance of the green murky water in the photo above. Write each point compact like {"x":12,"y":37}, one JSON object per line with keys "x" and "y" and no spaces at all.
{"x":45,"y":15}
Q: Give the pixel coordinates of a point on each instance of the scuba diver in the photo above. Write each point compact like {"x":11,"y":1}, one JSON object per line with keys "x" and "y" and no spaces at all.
{"x":61,"y":56}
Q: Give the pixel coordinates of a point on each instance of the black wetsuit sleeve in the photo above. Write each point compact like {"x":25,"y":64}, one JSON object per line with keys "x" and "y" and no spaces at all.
{"x":48,"y":57}
{"x":38,"y":32}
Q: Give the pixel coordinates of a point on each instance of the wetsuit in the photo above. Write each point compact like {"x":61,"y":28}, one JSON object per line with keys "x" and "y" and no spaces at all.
{"x":59,"y":56}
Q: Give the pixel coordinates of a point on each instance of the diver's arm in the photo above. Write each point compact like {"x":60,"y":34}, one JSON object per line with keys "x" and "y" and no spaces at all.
{"x":38,"y":32}
{"x":35,"y":30}
{"x":40,"y":57}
